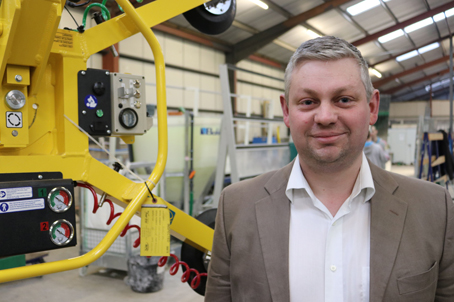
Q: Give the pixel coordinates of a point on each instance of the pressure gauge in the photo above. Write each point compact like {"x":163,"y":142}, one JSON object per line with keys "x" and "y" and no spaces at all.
{"x":59,"y":199}
{"x":61,"y":232}
{"x":15,"y":99}
{"x":128,"y":118}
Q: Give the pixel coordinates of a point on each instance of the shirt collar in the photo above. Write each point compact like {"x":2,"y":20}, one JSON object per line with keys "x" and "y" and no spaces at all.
{"x":364,"y":181}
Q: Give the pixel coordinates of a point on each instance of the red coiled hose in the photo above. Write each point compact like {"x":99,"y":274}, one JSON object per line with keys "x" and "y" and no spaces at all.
{"x":112,"y":213}
{"x":186,"y":275}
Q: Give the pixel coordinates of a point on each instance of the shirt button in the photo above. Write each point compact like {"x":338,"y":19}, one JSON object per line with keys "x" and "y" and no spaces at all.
{"x":333,"y":268}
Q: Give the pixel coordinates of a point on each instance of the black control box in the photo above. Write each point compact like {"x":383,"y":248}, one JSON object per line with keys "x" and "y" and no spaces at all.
{"x":94,"y":100}
{"x":37,"y":213}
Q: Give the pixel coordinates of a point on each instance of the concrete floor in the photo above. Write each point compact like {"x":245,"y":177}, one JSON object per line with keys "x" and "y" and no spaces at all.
{"x":103,"y":285}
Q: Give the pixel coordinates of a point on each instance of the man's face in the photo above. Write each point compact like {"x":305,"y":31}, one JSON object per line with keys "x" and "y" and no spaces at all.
{"x":327,"y":112}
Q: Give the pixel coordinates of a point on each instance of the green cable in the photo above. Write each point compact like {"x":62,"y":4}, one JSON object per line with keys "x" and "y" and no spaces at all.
{"x":104,"y":11}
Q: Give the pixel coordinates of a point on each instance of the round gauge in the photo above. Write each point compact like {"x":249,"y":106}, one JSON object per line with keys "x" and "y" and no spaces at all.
{"x":15,"y":99}
{"x":128,"y":118}
{"x":59,"y":199}
{"x":61,"y":232}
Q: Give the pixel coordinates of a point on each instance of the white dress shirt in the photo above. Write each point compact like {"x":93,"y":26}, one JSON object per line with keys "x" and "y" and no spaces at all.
{"x":329,"y":256}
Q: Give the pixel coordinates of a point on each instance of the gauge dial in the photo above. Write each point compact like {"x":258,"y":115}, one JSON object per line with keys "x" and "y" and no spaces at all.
{"x":61,"y":232}
{"x":128,"y":118}
{"x":60,"y":199}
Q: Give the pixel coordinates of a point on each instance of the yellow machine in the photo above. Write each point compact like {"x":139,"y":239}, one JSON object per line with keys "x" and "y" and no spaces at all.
{"x":39,"y":114}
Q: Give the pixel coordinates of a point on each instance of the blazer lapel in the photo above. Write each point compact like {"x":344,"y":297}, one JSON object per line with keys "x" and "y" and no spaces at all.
{"x":387,"y":222}
{"x":273,"y":216}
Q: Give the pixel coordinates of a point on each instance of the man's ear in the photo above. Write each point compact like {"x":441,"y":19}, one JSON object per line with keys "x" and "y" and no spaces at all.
{"x":374,"y":105}
{"x":285,"y":110}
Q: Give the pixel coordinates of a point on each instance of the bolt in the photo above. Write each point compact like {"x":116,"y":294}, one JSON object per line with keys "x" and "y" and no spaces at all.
{"x":107,"y":73}
{"x":136,"y":83}
{"x":18,"y":78}
{"x":14,"y":133}
{"x":82,"y":72}
{"x":84,"y":112}
{"x":137,"y":94}
{"x":108,"y":131}
{"x":121,"y":80}
{"x":40,"y":176}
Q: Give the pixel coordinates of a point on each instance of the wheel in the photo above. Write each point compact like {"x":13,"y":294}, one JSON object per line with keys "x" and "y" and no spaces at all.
{"x":213,"y":17}
{"x":198,"y":259}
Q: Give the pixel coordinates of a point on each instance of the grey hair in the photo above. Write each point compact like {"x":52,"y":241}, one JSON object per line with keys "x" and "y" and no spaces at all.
{"x":327,"y":48}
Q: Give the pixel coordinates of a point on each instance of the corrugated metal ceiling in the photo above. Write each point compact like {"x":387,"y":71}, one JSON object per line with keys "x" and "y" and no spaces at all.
{"x":252,"y":21}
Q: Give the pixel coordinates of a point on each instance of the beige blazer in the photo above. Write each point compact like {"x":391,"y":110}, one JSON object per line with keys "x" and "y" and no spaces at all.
{"x":412,"y":241}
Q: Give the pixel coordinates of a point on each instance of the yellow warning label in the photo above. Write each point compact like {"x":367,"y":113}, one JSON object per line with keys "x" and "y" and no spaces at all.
{"x":155,"y":231}
{"x":64,"y":39}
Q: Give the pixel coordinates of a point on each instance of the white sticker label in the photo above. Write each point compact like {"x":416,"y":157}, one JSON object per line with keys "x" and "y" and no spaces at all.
{"x":16,"y":193}
{"x":13,"y":119}
{"x":21,"y":205}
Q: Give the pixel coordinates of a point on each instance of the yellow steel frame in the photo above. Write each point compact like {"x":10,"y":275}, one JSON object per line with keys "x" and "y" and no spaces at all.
{"x":48,"y":59}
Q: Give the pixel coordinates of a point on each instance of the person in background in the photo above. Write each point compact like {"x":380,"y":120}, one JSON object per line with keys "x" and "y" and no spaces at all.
{"x":375,"y":153}
{"x":376,"y":139}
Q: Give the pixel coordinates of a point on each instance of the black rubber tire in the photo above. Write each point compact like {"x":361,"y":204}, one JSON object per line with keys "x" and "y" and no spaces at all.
{"x":193,"y":257}
{"x":208,"y":23}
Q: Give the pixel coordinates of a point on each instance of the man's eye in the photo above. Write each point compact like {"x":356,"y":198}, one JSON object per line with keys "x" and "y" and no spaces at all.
{"x":344,"y":100}
{"x":307,"y":102}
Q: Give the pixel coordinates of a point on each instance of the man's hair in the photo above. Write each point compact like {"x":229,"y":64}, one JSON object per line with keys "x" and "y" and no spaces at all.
{"x":327,"y":48}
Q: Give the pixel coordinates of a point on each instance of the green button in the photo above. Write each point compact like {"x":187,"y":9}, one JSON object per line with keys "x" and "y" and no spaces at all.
{"x":99,"y":113}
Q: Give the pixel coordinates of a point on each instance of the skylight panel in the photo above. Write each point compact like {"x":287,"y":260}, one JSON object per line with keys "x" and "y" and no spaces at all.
{"x":260,"y":3}
{"x":418,"y":25}
{"x":449,"y":12}
{"x":407,"y":56}
{"x":375,"y":72}
{"x":362,"y":6}
{"x":439,"y":17}
{"x":428,"y":47}
{"x":391,"y":36}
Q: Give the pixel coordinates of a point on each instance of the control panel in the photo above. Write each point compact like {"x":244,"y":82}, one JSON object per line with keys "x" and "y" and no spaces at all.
{"x":112,"y":104}
{"x":128,"y":104}
{"x":37,"y":213}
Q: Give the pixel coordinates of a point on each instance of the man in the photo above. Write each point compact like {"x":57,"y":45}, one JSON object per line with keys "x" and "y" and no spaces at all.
{"x":375,"y":153}
{"x":330,"y":226}
{"x":376,"y":139}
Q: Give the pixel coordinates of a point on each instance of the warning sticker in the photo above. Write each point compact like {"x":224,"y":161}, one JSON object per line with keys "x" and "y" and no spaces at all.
{"x":13,"y":119}
{"x":21,"y":205}
{"x":16,"y":193}
{"x":63,"y":39}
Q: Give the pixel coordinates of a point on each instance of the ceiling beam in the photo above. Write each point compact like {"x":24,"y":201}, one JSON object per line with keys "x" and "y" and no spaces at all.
{"x":422,"y":93}
{"x":395,"y":89}
{"x":402,"y":53}
{"x":383,"y":81}
{"x":243,"y":49}
{"x":404,"y":24}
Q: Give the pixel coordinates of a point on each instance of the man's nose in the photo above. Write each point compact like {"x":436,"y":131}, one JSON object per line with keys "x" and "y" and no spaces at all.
{"x":326,"y":114}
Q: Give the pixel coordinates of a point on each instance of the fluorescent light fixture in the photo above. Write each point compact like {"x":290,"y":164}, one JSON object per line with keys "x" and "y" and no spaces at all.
{"x":449,"y":12}
{"x":407,"y":56}
{"x":362,"y":6}
{"x":375,"y":72}
{"x":313,"y":34}
{"x":439,"y":17}
{"x":418,"y":25}
{"x":260,"y":3}
{"x":429,"y":47}
{"x":391,"y":36}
